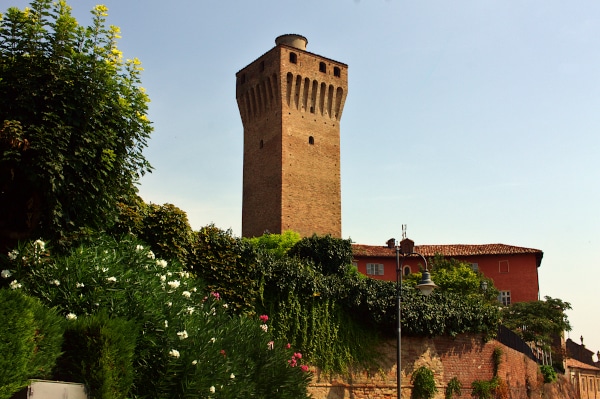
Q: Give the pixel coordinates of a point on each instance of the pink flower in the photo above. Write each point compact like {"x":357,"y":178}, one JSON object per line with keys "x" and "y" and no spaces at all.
{"x":304,"y":368}
{"x":298,"y":355}
{"x":216,"y":295}
{"x":222,"y":352}
{"x":288,"y":346}
{"x":264,"y":318}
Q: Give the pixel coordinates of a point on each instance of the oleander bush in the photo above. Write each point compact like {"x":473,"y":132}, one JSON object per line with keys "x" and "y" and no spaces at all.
{"x":188,"y":342}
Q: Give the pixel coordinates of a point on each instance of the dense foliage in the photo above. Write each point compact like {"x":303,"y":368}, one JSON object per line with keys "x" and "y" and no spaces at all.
{"x":99,"y":352}
{"x":30,"y":340}
{"x":187,"y":342}
{"x":423,"y":383}
{"x":72,"y":121}
{"x":538,"y":321}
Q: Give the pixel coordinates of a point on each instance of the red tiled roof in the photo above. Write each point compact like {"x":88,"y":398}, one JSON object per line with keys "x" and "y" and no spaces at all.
{"x":572,"y":363}
{"x":451,"y":250}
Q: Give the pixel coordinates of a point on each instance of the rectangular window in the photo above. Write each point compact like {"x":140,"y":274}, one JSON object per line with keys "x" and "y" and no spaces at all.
{"x":375,"y":269}
{"x":475,"y":267}
{"x":504,"y":298}
{"x":503,"y":266}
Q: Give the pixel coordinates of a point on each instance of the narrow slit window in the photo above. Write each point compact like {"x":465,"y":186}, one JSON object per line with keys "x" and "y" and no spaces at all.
{"x":261,"y":144}
{"x":293,"y":58}
{"x":311,"y":140}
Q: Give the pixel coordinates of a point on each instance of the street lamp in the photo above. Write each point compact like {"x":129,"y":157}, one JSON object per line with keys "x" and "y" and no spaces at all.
{"x":426,"y":286}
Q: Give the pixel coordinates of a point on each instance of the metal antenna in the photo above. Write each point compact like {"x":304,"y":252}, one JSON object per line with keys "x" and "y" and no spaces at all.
{"x":403,"y":231}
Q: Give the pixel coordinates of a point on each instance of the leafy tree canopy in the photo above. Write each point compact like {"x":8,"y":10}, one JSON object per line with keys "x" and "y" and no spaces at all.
{"x":538,"y":321}
{"x":276,"y":244}
{"x":72,"y":121}
{"x":330,"y":255}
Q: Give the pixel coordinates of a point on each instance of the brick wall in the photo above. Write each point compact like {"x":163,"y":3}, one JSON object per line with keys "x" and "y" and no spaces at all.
{"x":466,"y":357}
{"x":291,"y":113}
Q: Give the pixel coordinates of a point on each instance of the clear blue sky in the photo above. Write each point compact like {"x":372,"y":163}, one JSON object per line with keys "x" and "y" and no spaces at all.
{"x":472,"y":122}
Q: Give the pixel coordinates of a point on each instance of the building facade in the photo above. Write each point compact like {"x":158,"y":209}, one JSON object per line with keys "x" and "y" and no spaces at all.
{"x":514,"y":270}
{"x":291,"y":103}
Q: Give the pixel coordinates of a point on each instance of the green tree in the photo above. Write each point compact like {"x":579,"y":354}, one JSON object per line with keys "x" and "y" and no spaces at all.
{"x":72,"y":121}
{"x":276,"y":244}
{"x":538,"y":321}
{"x":330,"y":255}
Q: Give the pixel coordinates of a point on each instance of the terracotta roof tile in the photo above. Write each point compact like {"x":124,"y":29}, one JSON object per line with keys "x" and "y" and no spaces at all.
{"x":572,"y":363}
{"x":448,"y":250}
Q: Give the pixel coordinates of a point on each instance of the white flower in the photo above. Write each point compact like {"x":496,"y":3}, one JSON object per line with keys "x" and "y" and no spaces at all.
{"x":55,"y":282}
{"x":104,"y":269}
{"x":150,"y":255}
{"x":40,"y":245}
{"x":194,"y":289}
{"x":174,"y":353}
{"x":71,"y":316}
{"x":232,"y":376}
{"x":161,"y":262}
{"x":166,"y":323}
{"x":225,"y":305}
{"x":264,"y":327}
{"x":182,"y":334}
{"x":79,"y":285}
{"x":173,"y":284}
{"x":111,"y":279}
{"x":5,"y":273}
{"x":212,"y":389}
{"x":270,"y":345}
{"x":212,"y":340}
{"x":169,"y":304}
{"x":163,"y":278}
{"x":139,"y":247}
{"x":12,"y":255}
{"x":195,"y":362}
{"x":14,"y":285}
{"x":190,"y":309}
{"x":186,"y":294}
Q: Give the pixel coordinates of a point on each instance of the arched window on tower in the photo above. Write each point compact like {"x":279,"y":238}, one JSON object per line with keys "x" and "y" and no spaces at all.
{"x":322,"y":67}
{"x":311,"y":140}
{"x":336,"y":72}
{"x":293,"y":58}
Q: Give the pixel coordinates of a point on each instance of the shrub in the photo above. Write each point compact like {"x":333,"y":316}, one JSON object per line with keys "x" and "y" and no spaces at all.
{"x":454,"y":388}
{"x":30,"y":339}
{"x":188,"y":343}
{"x":483,"y":389}
{"x":98,"y":352}
{"x":423,"y":383}
{"x":549,"y":373}
{"x":330,"y":255}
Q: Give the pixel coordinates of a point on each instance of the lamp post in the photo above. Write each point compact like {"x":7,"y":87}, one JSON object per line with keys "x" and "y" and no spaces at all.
{"x":426,"y":286}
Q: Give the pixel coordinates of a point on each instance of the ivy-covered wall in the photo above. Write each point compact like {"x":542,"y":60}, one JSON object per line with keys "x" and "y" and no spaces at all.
{"x":467,"y":357}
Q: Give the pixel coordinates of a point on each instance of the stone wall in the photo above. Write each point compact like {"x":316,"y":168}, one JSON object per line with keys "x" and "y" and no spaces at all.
{"x":466,"y":357}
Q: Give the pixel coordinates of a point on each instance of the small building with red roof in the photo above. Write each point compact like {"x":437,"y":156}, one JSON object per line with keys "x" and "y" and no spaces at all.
{"x":514,"y":270}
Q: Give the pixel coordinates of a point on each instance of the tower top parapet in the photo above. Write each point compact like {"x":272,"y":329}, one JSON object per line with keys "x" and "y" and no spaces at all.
{"x":292,"y":40}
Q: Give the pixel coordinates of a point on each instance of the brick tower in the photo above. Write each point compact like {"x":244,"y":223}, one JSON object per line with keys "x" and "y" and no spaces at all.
{"x":291,"y":103}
